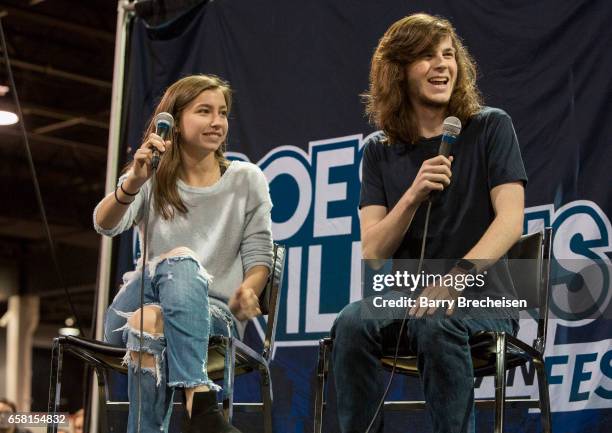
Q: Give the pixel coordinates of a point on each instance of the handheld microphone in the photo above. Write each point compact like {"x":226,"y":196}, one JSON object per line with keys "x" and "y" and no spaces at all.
{"x":451,"y":128}
{"x":163,"y":125}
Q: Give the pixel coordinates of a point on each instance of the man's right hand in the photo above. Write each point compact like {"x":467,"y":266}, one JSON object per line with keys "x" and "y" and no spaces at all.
{"x":383,"y":229}
{"x":434,"y":175}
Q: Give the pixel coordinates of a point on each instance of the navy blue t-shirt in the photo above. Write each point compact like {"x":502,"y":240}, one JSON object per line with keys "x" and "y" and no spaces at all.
{"x":486,"y":154}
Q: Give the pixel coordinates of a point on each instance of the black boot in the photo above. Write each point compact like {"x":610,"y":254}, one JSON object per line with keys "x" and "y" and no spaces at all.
{"x":206,"y":416}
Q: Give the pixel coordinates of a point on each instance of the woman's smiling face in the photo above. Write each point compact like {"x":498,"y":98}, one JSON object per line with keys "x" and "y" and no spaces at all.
{"x":204,"y":122}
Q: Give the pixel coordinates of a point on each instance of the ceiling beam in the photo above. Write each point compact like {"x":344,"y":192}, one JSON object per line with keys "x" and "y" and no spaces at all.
{"x":57,"y":23}
{"x":73,"y":145}
{"x":59,"y":125}
{"x":49,"y":70}
{"x":52,"y":113}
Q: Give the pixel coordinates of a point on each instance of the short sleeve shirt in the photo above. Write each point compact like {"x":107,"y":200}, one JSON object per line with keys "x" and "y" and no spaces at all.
{"x":486,"y":154}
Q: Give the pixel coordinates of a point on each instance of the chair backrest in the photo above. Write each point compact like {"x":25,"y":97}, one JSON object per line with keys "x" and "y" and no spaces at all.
{"x":525,"y":263}
{"x":269,"y":299}
{"x":529,"y":264}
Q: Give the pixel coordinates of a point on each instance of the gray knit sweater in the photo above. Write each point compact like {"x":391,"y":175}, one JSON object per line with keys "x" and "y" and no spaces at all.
{"x":228,"y":226}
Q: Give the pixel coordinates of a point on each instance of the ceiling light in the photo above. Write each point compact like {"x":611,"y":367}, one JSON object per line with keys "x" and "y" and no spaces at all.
{"x":8,"y":118}
{"x":7,"y":115}
{"x":69,"y":329}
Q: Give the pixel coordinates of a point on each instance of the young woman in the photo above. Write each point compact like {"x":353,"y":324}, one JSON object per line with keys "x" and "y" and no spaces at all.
{"x":209,"y":254}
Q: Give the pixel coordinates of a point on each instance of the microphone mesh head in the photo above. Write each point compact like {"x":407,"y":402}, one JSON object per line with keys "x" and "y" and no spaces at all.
{"x":164,"y":118}
{"x":451,"y":126}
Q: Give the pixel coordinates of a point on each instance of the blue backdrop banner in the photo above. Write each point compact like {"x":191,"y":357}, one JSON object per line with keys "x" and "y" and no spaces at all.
{"x":298,"y":68}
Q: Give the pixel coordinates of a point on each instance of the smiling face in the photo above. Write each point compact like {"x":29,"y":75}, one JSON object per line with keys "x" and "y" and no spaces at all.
{"x":431,"y":78}
{"x":203,"y":124}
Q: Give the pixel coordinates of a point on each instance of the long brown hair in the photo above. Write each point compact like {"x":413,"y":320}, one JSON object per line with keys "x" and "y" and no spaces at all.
{"x":167,"y":200}
{"x":387,"y":101}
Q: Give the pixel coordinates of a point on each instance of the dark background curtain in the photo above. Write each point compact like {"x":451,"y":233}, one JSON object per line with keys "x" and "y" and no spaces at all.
{"x":298,"y":68}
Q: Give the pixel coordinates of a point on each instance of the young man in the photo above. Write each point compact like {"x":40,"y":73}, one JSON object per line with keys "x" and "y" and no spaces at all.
{"x":421,"y":73}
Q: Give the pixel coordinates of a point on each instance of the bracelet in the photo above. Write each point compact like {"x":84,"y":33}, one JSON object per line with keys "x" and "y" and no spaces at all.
{"x":127,"y":193}
{"x":122,"y":202}
{"x":466,"y":267}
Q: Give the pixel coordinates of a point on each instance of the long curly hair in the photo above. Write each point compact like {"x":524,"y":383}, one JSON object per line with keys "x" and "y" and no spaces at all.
{"x":167,"y":200}
{"x":387,"y":100}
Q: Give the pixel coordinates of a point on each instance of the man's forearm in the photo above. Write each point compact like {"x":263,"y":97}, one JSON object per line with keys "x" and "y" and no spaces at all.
{"x":382,"y":239}
{"x":502,"y":234}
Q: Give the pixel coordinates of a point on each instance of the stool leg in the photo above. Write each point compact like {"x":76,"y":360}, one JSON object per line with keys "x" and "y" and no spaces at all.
{"x":500,"y":381}
{"x":228,"y":379}
{"x":267,"y":397}
{"x":544,"y":396}
{"x":103,"y":413}
{"x":55,"y":382}
{"x":320,"y":391}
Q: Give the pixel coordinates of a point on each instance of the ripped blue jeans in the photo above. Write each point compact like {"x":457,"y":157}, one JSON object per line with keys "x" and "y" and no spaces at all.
{"x":179,"y":287}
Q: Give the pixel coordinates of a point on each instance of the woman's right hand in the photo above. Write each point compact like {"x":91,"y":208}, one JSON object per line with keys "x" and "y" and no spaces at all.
{"x":142,"y":170}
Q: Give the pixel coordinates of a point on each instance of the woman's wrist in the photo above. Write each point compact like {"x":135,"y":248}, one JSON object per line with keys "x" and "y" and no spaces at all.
{"x":126,"y":192}
{"x":131,"y":185}
{"x":122,"y":200}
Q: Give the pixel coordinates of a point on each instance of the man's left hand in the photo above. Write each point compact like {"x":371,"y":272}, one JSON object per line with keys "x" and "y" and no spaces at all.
{"x":438,"y":293}
{"x":244,"y":303}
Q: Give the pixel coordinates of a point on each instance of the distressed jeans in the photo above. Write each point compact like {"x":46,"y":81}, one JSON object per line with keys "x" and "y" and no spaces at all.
{"x":443,"y":359}
{"x":179,"y":287}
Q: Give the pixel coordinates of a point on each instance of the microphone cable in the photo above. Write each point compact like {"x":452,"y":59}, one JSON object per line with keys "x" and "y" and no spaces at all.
{"x":145,"y":245}
{"x":399,"y":336}
{"x":164,"y":123}
{"x":39,"y":201}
